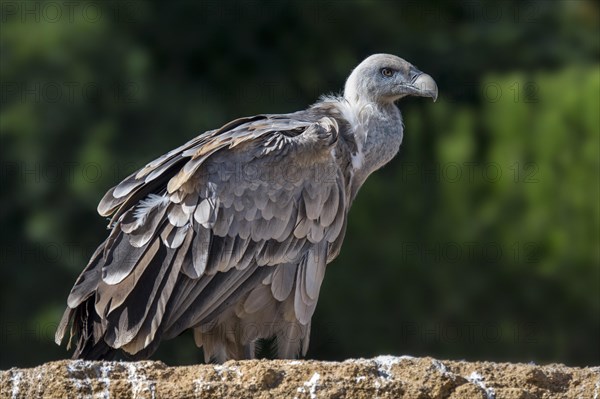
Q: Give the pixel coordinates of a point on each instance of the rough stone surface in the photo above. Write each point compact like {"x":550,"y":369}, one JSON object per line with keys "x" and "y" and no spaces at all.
{"x":381,"y":377}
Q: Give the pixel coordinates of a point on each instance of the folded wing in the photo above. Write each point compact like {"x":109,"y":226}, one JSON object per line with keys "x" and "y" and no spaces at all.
{"x":234,"y":224}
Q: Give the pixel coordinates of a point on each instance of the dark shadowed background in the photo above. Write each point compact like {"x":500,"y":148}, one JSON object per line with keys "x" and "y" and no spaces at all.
{"x":479,"y":241}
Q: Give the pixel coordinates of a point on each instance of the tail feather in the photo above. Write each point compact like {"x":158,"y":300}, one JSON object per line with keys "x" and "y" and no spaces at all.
{"x":89,"y":346}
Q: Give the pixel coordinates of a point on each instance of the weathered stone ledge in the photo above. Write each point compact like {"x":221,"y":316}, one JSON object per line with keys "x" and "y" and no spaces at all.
{"x":381,"y":377}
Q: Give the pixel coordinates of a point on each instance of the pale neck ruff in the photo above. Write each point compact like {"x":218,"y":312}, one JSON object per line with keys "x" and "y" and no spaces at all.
{"x":378,"y":131}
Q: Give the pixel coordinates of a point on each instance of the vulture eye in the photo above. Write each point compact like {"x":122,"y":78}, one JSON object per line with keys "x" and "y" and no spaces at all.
{"x":387,"y":72}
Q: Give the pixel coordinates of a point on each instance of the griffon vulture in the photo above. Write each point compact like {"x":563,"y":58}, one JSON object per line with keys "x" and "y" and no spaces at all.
{"x":230,"y":234}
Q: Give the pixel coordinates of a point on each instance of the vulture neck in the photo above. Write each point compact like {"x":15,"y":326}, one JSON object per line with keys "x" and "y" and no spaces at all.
{"x":378,"y":131}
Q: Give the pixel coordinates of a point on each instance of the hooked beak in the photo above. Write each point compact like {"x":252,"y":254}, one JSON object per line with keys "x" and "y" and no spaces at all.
{"x":424,"y":86}
{"x":419,"y":84}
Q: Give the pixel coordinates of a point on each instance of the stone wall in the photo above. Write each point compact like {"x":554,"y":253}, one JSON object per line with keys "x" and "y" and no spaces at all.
{"x":381,"y":377}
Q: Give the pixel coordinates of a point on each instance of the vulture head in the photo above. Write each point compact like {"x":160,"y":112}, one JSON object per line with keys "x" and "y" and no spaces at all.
{"x":385,"y":78}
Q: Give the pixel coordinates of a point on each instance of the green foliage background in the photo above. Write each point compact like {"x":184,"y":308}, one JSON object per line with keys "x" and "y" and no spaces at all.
{"x":479,"y":241}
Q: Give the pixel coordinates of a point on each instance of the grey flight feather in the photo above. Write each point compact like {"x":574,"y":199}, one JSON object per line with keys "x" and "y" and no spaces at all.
{"x":230,"y":234}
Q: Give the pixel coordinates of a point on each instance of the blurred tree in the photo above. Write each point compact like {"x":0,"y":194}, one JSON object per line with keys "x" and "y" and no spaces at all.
{"x":479,"y":241}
